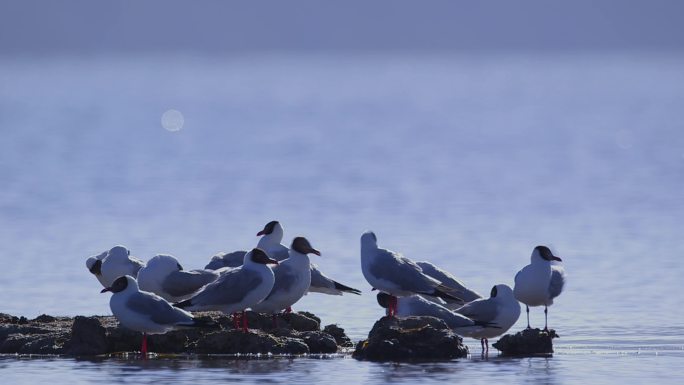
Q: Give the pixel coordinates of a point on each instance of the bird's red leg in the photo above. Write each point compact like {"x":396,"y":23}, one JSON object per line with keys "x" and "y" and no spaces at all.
{"x":244,"y":322}
{"x":143,"y":348}
{"x":288,"y":310}
{"x":393,"y":311}
{"x":236,"y":320}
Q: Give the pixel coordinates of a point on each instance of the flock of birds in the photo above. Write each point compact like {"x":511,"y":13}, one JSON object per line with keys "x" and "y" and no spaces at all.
{"x":157,"y":296}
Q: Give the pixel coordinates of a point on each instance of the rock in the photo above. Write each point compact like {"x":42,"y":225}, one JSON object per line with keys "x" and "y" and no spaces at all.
{"x":44,"y":318}
{"x":235,"y":341}
{"x":298,"y":333}
{"x":319,"y":342}
{"x":88,"y":337}
{"x":527,"y":343}
{"x":339,"y":335}
{"x":411,"y":338}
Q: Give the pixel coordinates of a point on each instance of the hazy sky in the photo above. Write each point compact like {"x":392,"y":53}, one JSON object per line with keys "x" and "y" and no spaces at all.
{"x":91,"y":26}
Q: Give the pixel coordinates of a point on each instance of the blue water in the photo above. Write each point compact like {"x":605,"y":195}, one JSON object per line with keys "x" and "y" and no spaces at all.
{"x":467,"y":161}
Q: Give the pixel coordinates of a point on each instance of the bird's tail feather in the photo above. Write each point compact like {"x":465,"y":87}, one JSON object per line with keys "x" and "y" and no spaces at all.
{"x":346,"y":289}
{"x":183,"y":304}
{"x":445,"y":293}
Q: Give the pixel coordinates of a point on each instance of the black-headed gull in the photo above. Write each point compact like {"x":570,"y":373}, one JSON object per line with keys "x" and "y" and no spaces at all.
{"x":146,"y":312}
{"x":416,"y":305}
{"x":292,"y":280}
{"x":501,"y":310}
{"x":164,"y":276}
{"x":270,"y":241}
{"x":116,"y":263}
{"x":449,"y":280}
{"x":540,"y":282}
{"x":397,"y":275}
{"x":237,"y":289}
{"x":94,"y":265}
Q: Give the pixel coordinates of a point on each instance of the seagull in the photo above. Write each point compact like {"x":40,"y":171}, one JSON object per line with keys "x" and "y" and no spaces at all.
{"x":448,"y":280}
{"x":115,"y":264}
{"x":540,"y":282}
{"x":94,"y":265}
{"x":501,"y":310}
{"x":237,"y":289}
{"x":164,"y":276}
{"x":271,"y":238}
{"x":417,"y":305}
{"x":397,"y":275}
{"x":292,"y":279}
{"x":146,"y":312}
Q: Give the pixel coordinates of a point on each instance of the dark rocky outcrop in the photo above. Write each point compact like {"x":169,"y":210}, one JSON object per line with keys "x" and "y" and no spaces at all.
{"x":527,"y":343}
{"x":297,"y":333}
{"x":410,"y":339}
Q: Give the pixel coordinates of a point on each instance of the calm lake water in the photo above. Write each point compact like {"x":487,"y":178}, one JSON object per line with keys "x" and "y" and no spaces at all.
{"x":466,"y":161}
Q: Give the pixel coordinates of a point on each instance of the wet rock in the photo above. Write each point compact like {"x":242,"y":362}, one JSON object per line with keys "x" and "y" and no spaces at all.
{"x":84,"y":336}
{"x":88,"y":337}
{"x":338,"y":334}
{"x":235,"y":341}
{"x":527,"y":343}
{"x":409,"y":339}
{"x":319,"y":342}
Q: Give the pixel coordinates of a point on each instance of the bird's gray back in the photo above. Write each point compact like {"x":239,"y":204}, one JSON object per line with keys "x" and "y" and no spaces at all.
{"x":450,"y":281}
{"x":401,"y":271}
{"x":231,"y":287}
{"x":159,"y":311}
{"x":234,"y":259}
{"x":182,"y":283}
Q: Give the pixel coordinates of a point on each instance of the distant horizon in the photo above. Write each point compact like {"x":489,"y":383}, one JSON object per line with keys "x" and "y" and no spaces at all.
{"x":216,"y":27}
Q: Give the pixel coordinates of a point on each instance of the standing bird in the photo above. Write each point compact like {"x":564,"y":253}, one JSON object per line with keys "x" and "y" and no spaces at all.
{"x":416,"y":305}
{"x":237,"y":289}
{"x":271,"y":238}
{"x":397,"y":275}
{"x":117,"y":263}
{"x":292,"y":280}
{"x":163,"y":275}
{"x":501,"y":310}
{"x":146,"y":312}
{"x":540,"y":282}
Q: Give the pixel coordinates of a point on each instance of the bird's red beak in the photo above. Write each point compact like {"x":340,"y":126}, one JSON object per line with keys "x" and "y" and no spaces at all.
{"x":260,"y":233}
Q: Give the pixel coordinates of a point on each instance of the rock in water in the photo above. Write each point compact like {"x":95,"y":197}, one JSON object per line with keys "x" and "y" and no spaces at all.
{"x":298,"y":333}
{"x":527,"y":343}
{"x":410,"y":339}
{"x":88,"y":337}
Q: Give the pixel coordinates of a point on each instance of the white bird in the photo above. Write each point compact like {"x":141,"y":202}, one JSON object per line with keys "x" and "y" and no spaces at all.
{"x":237,"y":289}
{"x":540,"y":282}
{"x":501,"y":311}
{"x":416,"y":305}
{"x":112,"y":264}
{"x":449,"y":280}
{"x":163,"y":275}
{"x":146,"y":312}
{"x":270,"y":242}
{"x":292,"y":279}
{"x":397,"y":275}
{"x":94,"y":265}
